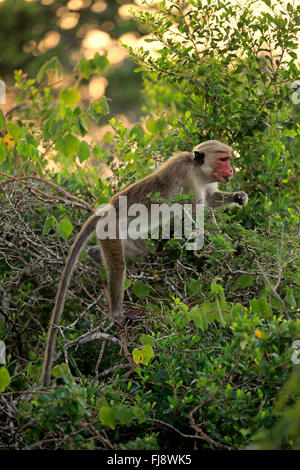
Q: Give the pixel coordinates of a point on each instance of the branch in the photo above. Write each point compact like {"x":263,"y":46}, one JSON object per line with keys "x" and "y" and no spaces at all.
{"x":23,"y":179}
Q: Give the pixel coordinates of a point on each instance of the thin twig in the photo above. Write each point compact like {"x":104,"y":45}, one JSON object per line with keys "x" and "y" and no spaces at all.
{"x":23,"y":179}
{"x":203,"y":435}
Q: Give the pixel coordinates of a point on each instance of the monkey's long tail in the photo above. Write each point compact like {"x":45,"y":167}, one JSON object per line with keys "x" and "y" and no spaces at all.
{"x":76,"y":248}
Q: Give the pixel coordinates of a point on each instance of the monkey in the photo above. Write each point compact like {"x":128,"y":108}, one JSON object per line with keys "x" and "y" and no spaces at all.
{"x":197,"y":172}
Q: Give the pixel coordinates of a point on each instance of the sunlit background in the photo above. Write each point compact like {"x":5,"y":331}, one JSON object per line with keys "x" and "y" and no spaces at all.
{"x":31,"y":31}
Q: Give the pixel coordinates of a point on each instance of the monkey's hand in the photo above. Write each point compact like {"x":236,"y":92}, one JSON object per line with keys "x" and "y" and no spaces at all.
{"x":240,"y":198}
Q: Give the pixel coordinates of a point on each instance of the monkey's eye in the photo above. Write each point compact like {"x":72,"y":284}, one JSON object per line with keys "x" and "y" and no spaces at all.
{"x":224,"y":159}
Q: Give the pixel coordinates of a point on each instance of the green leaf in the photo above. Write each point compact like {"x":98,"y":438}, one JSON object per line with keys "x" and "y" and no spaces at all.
{"x":4,"y":378}
{"x":49,"y":223}
{"x":220,"y":314}
{"x":146,"y":339}
{"x":14,"y":130}
{"x":245,"y":280}
{"x":194,"y":285}
{"x":216,"y":288}
{"x":107,"y":138}
{"x":81,"y":124}
{"x":68,"y":145}
{"x":261,"y":306}
{"x":125,"y":415}
{"x":85,"y":68}
{"x":107,"y":416}
{"x":144,"y":355}
{"x":65,"y":228}
{"x":137,"y":356}
{"x":2,"y":152}
{"x":104,"y":105}
{"x":199,"y":318}
{"x":139,"y":414}
{"x":97,"y":64}
{"x":99,"y":108}
{"x":290,"y":299}
{"x":151,"y":125}
{"x":209,"y":309}
{"x":69,"y":96}
{"x":51,"y":65}
{"x":137,"y":130}
{"x":100,"y":62}
{"x":293,"y":54}
{"x":155,"y":125}
{"x":148,"y":354}
{"x":83,"y":151}
{"x":61,"y":371}
{"x":140,"y":289}
{"x":52,"y":127}
{"x":127,"y":283}
{"x":2,"y":120}
{"x":103,"y":273}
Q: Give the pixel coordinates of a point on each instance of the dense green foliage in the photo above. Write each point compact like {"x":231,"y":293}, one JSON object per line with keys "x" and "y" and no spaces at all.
{"x":210,"y":363}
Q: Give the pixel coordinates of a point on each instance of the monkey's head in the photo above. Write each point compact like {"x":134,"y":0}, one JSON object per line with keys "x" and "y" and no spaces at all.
{"x":213,"y":161}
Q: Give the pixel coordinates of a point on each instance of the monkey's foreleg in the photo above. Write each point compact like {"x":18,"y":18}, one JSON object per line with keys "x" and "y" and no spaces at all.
{"x":222,"y":198}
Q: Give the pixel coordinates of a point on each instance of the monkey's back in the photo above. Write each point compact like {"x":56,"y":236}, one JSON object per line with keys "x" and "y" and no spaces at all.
{"x":172,"y":173}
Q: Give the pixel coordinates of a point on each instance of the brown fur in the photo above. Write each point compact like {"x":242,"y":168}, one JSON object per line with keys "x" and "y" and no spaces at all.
{"x":175,"y":170}
{"x":84,"y":234}
{"x":179,"y":175}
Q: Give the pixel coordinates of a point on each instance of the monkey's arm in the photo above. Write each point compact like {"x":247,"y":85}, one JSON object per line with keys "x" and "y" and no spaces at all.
{"x":222,"y":198}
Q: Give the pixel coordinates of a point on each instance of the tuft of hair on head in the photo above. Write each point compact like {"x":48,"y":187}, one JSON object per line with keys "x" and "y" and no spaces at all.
{"x":212,"y":146}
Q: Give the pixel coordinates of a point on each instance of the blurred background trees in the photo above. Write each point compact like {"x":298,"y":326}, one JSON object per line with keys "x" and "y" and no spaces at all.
{"x":33,"y":31}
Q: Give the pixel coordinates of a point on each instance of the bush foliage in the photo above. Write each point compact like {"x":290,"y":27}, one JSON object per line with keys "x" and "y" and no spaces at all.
{"x":210,"y":363}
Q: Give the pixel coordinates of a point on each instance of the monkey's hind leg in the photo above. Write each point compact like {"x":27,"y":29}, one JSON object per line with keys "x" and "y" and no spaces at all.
{"x":132,"y":249}
{"x":94,"y":253}
{"x":112,"y":253}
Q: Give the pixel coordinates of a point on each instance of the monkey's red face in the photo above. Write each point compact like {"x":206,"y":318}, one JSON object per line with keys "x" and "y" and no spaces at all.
{"x":222,"y":170}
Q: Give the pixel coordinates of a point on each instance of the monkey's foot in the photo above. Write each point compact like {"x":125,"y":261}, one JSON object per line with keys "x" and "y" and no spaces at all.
{"x":95,"y":254}
{"x":125,"y":320}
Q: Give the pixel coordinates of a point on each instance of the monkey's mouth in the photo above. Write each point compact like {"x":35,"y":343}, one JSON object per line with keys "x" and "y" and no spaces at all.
{"x":226,"y":178}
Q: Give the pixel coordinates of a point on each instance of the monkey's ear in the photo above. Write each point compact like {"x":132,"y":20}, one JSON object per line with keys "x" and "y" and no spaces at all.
{"x":199,"y":157}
